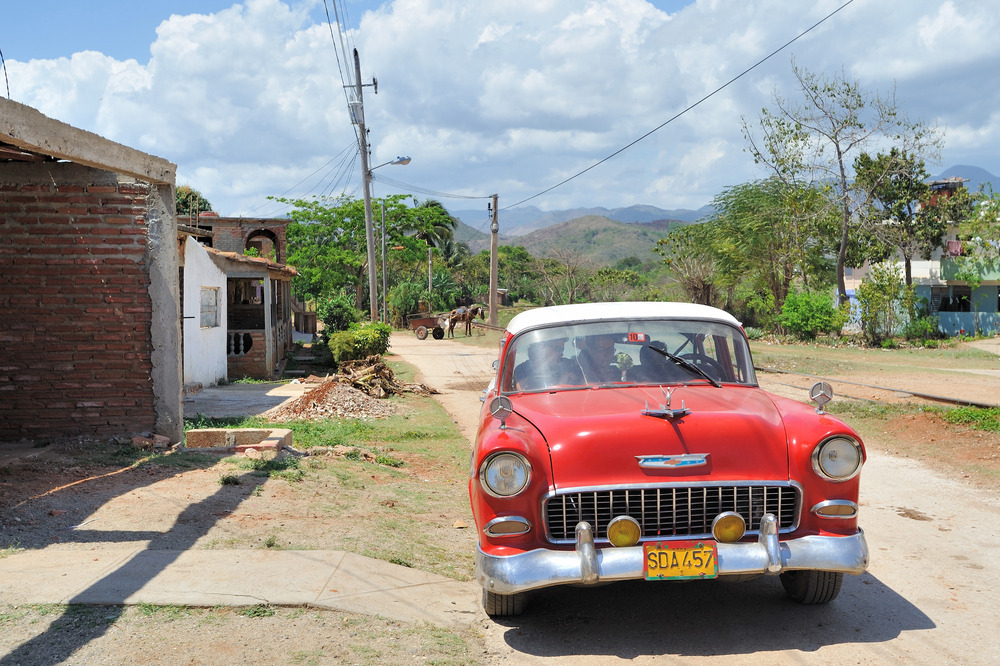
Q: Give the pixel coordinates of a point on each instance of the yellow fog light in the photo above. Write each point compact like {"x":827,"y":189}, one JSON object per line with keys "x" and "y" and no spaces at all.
{"x":624,"y":531}
{"x":729,"y":527}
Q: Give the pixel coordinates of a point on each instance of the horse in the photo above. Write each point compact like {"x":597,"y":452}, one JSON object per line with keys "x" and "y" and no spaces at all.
{"x":464,"y":315}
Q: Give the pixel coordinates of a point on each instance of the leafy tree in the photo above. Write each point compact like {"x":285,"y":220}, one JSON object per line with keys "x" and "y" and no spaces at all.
{"x":689,"y":253}
{"x":614,"y":284}
{"x":338,"y":312}
{"x":189,"y":203}
{"x":517,"y":271}
{"x":812,"y":141}
{"x":328,"y":246}
{"x":565,"y":276}
{"x":898,"y":217}
{"x":884,"y":303}
{"x":767,"y":234}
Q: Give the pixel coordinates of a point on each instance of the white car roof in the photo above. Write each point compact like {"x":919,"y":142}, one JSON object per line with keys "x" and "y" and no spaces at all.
{"x":580,"y":312}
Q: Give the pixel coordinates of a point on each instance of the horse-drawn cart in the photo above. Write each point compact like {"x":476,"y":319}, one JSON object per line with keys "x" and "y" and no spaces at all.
{"x":422,"y":322}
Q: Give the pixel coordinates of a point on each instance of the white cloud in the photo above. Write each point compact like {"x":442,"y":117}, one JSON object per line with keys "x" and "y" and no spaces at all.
{"x":511,"y":96}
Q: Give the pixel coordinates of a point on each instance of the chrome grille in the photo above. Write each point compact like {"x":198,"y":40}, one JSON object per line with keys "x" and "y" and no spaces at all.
{"x":670,"y":511}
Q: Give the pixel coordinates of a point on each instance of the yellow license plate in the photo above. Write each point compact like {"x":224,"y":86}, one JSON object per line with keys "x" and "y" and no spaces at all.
{"x":680,"y":560}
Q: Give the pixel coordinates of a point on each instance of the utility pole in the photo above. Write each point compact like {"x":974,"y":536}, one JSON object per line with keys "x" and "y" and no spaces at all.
{"x":494,"y":231}
{"x":359,"y":118}
{"x":385,"y":289}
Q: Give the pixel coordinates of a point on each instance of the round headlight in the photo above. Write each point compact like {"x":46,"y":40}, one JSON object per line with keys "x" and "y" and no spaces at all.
{"x":837,"y":459}
{"x":505,"y":474}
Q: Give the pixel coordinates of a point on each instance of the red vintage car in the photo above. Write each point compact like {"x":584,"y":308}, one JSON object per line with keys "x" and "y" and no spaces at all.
{"x":631,"y":440}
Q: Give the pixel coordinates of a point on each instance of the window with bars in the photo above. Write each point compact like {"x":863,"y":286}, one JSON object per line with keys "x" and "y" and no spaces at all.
{"x":209,"y":307}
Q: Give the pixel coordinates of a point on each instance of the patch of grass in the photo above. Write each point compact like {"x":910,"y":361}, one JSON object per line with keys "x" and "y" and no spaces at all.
{"x":309,"y":657}
{"x":975,"y":417}
{"x":11,"y":614}
{"x":283,"y":467}
{"x":388,"y":461}
{"x":260,"y":610}
{"x":168,"y":613}
{"x":229,"y":480}
{"x":13,"y":548}
{"x":200,"y":421}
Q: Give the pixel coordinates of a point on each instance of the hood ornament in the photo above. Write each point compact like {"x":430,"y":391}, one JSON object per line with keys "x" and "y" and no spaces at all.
{"x":665,"y":411}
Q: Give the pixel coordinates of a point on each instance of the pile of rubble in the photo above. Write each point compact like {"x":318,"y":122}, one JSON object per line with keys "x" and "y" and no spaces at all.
{"x":375,"y":378}
{"x":353,"y":393}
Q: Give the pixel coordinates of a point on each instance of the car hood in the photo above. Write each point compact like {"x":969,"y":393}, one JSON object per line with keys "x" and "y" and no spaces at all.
{"x":595,"y":436}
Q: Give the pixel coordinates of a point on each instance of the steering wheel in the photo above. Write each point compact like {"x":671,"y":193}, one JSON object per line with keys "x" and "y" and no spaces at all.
{"x":711,"y":367}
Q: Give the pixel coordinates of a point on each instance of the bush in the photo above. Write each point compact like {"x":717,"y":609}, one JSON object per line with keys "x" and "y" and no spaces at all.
{"x":805,"y":315}
{"x":884,"y":302}
{"x":922,"y":328}
{"x":338,"y":312}
{"x":361,"y":341}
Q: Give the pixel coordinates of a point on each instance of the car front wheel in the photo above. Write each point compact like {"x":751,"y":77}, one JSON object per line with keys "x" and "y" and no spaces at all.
{"x":812,"y":587}
{"x":504,"y":605}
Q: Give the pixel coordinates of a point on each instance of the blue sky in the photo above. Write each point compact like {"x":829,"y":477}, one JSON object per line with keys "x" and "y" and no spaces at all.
{"x":506,"y":96}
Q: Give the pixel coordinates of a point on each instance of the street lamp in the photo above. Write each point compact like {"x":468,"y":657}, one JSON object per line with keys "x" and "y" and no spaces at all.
{"x":369,"y":226}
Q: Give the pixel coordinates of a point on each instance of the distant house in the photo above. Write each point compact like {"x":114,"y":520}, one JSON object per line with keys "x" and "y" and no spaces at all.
{"x":237,"y":308}
{"x":90,"y":333}
{"x":958,"y":306}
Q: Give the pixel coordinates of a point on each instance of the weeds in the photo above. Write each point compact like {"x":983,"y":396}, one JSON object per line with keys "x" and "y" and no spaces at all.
{"x":976,"y":418}
{"x":260,"y":610}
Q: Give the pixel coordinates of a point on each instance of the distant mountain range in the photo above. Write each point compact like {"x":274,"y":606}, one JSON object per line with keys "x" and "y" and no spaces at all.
{"x":522,"y":221}
{"x":608,"y":235}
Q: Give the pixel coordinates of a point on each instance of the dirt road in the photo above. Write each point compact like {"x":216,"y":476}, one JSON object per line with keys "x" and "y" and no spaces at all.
{"x":930,"y":595}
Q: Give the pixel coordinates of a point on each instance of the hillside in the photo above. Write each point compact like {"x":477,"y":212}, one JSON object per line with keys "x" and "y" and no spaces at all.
{"x":598,"y":239}
{"x":524,"y":220}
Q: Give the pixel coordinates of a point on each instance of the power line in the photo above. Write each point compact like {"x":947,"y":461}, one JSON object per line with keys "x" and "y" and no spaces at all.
{"x":421,"y":190}
{"x":681,"y":113}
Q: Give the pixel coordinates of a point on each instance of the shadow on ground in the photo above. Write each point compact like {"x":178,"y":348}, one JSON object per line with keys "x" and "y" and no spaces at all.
{"x":637,"y":618}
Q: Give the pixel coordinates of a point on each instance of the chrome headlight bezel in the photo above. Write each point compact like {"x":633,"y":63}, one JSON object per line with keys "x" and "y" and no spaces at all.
{"x":490,"y":463}
{"x":853,"y":447}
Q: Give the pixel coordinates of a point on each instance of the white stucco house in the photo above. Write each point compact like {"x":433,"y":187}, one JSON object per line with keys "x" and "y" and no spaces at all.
{"x":205,"y":316}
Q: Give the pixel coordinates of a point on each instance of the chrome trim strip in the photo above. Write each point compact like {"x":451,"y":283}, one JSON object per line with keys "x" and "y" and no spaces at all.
{"x":822,"y":505}
{"x":507,"y":519}
{"x":544,"y":568}
{"x":680,"y":461}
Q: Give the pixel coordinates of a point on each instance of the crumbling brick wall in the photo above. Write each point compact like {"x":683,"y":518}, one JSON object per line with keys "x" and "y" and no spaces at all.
{"x":230,"y":234}
{"x":75,"y":339}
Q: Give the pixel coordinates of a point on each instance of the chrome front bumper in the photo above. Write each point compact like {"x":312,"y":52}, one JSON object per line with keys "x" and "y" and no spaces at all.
{"x":586,"y":564}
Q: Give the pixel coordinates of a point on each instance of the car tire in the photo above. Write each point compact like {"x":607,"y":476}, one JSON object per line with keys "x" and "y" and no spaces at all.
{"x":504,"y":605}
{"x":812,"y":587}
{"x":421,"y":332}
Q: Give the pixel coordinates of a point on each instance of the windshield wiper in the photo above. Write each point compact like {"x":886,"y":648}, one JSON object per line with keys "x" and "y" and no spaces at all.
{"x":688,"y":365}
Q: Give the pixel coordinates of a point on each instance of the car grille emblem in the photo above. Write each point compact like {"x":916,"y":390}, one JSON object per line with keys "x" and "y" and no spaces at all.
{"x":673,"y":462}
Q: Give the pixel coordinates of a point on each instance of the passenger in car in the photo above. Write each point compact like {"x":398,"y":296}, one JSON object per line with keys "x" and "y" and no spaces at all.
{"x":597,"y":358}
{"x":546,"y":366}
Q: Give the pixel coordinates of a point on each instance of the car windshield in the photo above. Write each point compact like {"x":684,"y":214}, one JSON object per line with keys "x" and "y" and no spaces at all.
{"x":600,"y":353}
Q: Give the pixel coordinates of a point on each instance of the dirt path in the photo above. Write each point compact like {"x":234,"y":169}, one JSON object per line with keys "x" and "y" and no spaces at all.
{"x":929,"y":596}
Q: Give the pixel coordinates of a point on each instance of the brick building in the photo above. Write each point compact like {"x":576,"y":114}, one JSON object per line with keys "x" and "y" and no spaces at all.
{"x":90,"y":326}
